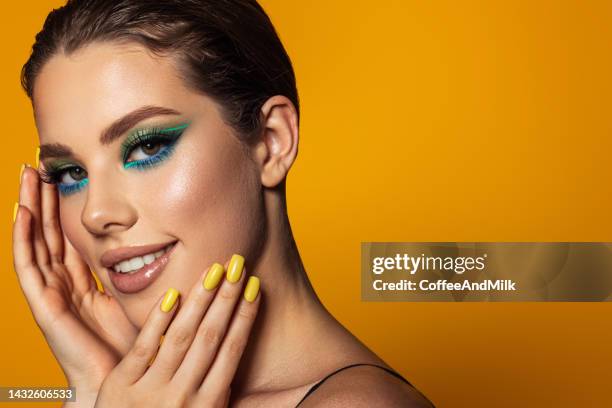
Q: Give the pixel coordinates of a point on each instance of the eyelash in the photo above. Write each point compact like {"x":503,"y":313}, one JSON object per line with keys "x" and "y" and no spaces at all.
{"x":167,"y":138}
{"x":140,"y":140}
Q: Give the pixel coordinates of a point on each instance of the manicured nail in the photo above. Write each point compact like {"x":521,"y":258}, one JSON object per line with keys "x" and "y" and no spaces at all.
{"x":234,"y":270}
{"x":252,"y":289}
{"x":37,"y":157}
{"x":169,"y":299}
{"x":213,"y":277}
{"x":23,"y":166}
{"x":15,"y":208}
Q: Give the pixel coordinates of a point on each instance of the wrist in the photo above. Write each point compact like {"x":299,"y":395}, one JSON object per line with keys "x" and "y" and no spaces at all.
{"x":85,"y":396}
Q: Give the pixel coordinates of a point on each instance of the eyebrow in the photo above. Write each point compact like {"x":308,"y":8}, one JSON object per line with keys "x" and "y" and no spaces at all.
{"x":114,"y":131}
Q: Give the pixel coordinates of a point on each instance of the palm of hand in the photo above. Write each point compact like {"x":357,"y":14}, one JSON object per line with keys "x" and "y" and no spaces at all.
{"x":95,"y":320}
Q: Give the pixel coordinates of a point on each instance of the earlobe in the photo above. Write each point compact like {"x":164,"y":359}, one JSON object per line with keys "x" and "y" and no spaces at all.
{"x":277,"y":149}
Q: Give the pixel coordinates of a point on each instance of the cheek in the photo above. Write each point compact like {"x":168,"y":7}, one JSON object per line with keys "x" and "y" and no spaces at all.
{"x":207,"y":198}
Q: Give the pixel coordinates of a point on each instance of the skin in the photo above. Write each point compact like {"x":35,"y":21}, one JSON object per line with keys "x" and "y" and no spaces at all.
{"x":215,"y":197}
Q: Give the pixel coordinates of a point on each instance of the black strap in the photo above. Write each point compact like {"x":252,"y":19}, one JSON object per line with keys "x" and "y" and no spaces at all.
{"x":314,"y":387}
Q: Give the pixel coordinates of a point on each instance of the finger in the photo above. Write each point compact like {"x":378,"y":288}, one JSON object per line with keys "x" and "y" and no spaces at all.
{"x":227,"y":397}
{"x":78,"y":269}
{"x":131,"y":368}
{"x":211,"y":331}
{"x":183,"y":329}
{"x":223,"y":370}
{"x":123,"y":333}
{"x":30,"y":278}
{"x":52,"y":231}
{"x":220,"y":400}
{"x":29,"y":196}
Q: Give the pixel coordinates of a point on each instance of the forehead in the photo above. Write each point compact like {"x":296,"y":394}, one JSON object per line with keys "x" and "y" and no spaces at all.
{"x":99,"y":83}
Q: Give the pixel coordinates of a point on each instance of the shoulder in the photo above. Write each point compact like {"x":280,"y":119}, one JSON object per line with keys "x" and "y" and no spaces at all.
{"x":365,"y":386}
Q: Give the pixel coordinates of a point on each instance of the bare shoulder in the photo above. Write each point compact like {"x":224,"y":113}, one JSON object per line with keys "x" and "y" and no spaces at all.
{"x":365,"y":386}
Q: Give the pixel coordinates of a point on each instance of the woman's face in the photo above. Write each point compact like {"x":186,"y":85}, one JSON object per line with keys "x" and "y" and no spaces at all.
{"x":173,"y":172}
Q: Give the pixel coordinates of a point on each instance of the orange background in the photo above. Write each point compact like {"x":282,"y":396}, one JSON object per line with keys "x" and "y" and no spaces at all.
{"x":422,"y":121}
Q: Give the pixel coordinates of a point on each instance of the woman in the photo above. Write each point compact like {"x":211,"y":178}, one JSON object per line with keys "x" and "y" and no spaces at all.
{"x":166,"y":131}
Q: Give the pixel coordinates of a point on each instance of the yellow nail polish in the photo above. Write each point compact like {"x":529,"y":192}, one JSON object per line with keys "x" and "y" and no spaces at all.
{"x":23,"y":166}
{"x":234,"y":270}
{"x":169,"y":299}
{"x":37,"y":157}
{"x":213,"y":277}
{"x":252,"y":289}
{"x":15,"y":208}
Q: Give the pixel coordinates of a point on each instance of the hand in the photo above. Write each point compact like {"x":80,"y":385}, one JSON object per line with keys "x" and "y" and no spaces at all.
{"x":86,"y":329}
{"x":199,"y":355}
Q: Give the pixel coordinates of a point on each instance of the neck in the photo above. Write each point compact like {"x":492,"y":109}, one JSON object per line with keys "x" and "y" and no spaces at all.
{"x":290,"y":316}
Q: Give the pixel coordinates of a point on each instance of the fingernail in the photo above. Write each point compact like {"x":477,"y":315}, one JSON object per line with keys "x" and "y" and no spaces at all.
{"x":214,"y":275}
{"x":252,"y":289}
{"x":169,"y":299}
{"x":234,"y":270}
{"x":23,"y":166}
{"x":37,"y":156}
{"x":15,"y":208}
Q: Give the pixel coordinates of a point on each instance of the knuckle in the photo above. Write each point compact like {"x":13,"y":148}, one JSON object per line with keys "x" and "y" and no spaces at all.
{"x":50,"y":223}
{"x":247,"y":313}
{"x":180,"y":337}
{"x":176,"y":399}
{"x":140,"y":350}
{"x":207,"y":397}
{"x":199,"y":299}
{"x":236,"y":347}
{"x":211,"y":336}
{"x":226,"y":294}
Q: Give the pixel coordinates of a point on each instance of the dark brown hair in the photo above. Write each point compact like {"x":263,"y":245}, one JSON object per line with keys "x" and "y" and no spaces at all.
{"x":227,"y":49}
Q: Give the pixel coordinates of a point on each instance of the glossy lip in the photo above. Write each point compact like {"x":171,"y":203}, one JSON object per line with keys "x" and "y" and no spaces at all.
{"x":140,"y":279}
{"x":113,"y":256}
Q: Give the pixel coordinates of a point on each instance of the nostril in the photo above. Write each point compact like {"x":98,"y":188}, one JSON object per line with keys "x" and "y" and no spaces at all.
{"x":110,"y":219}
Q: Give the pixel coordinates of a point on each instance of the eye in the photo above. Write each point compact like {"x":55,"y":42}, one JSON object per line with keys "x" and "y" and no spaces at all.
{"x":145,"y":150}
{"x":69,"y":179}
{"x":73,"y":175}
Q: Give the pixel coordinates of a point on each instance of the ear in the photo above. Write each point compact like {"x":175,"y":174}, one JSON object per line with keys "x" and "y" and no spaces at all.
{"x":277,"y":149}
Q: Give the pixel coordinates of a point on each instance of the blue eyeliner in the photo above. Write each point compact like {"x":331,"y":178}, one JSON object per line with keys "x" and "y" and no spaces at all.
{"x":166,"y":137}
{"x":67,"y":189}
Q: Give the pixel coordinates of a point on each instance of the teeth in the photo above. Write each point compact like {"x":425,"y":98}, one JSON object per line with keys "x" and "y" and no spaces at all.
{"x":138,"y":262}
{"x":125,"y":266}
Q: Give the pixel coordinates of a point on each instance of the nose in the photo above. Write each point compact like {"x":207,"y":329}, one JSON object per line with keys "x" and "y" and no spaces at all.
{"x":106,"y":210}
